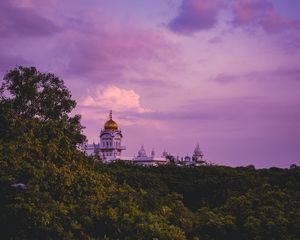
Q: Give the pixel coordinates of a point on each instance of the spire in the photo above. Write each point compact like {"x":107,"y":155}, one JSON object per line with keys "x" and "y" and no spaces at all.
{"x":198,"y":153}
{"x":110,"y":115}
{"x":197,"y":150}
{"x":142,"y":152}
{"x":153,"y":153}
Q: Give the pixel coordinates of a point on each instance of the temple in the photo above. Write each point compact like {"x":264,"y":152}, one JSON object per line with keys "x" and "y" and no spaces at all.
{"x":110,"y":148}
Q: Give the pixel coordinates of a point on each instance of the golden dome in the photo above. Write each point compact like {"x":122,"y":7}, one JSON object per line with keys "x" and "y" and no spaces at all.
{"x":110,"y":124}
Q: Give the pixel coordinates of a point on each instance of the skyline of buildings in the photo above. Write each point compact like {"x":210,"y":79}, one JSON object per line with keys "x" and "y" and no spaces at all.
{"x":109,"y":149}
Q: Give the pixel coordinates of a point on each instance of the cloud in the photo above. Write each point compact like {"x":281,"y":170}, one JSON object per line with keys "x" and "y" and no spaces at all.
{"x":111,"y":50}
{"x":23,"y":21}
{"x":285,"y":74}
{"x":113,"y":97}
{"x":232,"y":114}
{"x":212,"y":109}
{"x":10,"y":61}
{"x":290,"y":44}
{"x":250,"y":13}
{"x":195,"y":15}
{"x":33,"y":3}
{"x":215,"y":40}
{"x":89,"y":48}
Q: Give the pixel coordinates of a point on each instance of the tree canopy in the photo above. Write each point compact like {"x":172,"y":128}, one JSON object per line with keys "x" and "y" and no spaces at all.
{"x":35,"y":94}
{"x":29,"y":95}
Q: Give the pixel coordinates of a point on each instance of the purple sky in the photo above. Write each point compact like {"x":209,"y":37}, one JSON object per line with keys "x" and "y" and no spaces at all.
{"x":221,"y":73}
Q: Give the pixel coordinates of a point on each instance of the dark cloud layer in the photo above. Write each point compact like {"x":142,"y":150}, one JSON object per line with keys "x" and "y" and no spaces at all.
{"x":9,"y":62}
{"x":287,"y":74}
{"x":20,"y":21}
{"x":261,"y":13}
{"x":109,"y":52}
{"x":195,"y":15}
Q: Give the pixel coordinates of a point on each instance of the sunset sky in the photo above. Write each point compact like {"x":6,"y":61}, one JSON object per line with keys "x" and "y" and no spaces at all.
{"x":221,"y":73}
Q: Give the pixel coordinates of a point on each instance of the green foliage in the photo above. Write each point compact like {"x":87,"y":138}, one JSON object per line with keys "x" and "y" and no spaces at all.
{"x":29,"y":95}
{"x":36,"y":94}
{"x":215,"y":202}
{"x":69,"y":196}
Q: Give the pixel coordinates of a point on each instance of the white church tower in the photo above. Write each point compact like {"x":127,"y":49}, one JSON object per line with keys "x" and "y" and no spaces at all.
{"x":110,"y":147}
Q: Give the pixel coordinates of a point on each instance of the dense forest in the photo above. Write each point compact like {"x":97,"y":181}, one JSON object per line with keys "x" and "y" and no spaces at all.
{"x":49,"y":189}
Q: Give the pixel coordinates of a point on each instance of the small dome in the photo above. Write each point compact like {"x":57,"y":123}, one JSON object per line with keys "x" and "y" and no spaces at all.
{"x":110,"y":124}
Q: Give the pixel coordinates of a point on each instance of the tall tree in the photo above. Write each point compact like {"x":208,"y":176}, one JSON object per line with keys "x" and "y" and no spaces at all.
{"x":29,"y":94}
{"x":36,"y":94}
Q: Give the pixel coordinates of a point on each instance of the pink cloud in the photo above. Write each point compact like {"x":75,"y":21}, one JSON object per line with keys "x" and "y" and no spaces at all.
{"x":195,"y":15}
{"x":261,"y":13}
{"x":246,"y":12}
{"x":113,"y":97}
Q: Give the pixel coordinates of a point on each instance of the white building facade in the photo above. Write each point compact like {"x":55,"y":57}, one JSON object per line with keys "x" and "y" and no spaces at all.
{"x":110,"y":146}
{"x":152,"y":160}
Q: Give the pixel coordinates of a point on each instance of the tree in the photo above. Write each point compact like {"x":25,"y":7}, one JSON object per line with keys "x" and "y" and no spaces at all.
{"x":28,"y":94}
{"x":36,"y":94}
{"x":171,"y":159}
